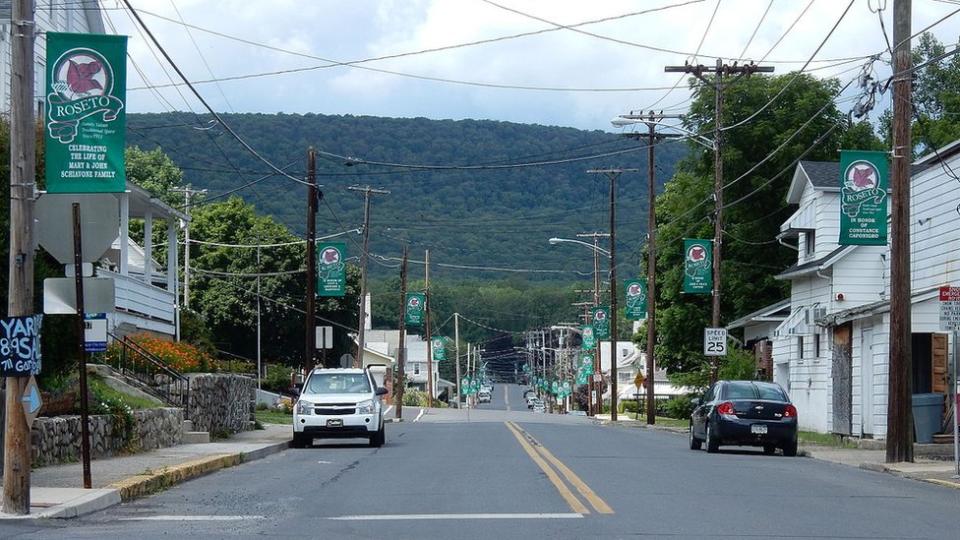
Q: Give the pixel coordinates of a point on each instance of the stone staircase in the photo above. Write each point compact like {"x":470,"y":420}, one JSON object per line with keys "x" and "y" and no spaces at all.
{"x":193,"y":437}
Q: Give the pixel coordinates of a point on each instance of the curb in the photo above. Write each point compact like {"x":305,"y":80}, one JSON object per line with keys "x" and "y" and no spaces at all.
{"x":881,"y":468}
{"x":639,"y":425}
{"x":146,"y":484}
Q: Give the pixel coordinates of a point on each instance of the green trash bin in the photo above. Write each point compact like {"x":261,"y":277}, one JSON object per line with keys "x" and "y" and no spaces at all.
{"x":927,"y":416}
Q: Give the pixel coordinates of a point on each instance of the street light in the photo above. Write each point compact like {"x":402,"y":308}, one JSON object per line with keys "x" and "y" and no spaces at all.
{"x":594,"y":390}
{"x":554,"y":241}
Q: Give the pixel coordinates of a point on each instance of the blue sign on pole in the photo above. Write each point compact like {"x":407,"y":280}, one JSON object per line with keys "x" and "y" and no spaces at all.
{"x":95,"y":332}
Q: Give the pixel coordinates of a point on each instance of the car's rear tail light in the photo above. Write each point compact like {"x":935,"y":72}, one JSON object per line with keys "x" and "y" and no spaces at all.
{"x":726,"y":409}
{"x":790,"y":411}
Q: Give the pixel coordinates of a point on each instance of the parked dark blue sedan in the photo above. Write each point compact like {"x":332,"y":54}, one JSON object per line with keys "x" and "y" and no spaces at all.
{"x":744,"y":413}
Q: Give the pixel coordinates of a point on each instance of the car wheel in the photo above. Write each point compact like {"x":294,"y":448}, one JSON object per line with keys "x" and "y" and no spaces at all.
{"x":378,"y":438}
{"x":299,"y":441}
{"x":695,"y":443}
{"x":713,"y":444}
{"x":790,"y":450}
{"x":769,"y":449}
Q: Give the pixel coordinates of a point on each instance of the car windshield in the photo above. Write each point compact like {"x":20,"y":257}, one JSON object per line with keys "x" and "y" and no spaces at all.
{"x":749,"y":390}
{"x":338,"y":383}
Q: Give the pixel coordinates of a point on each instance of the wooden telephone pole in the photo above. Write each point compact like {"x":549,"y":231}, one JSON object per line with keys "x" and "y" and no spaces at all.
{"x":653,"y":138}
{"x":401,"y":340}
{"x":717,"y":83}
{"x":426,"y":313}
{"x":613,"y":175}
{"x":364,"y":258}
{"x":899,"y":417}
{"x":310,"y":346}
{"x":16,"y":441}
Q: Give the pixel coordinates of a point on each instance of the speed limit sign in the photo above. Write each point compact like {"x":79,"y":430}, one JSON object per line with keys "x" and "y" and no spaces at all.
{"x":715,"y":341}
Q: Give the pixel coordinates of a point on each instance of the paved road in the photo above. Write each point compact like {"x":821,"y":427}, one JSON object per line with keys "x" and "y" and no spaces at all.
{"x":517,"y":474}
{"x":506,"y":397}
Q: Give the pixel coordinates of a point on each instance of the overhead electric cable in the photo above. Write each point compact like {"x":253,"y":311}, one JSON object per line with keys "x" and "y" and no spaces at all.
{"x":203,"y":101}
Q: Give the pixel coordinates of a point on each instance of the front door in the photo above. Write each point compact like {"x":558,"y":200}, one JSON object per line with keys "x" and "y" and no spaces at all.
{"x":866,"y":382}
{"x":842,"y":378}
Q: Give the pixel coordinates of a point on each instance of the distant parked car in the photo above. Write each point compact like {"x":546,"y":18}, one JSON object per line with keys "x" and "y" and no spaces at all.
{"x":483,"y":397}
{"x":539,"y":407}
{"x":744,"y":413}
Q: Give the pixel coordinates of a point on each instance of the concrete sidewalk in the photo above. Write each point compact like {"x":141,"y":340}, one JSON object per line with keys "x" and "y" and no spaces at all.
{"x":57,"y":491}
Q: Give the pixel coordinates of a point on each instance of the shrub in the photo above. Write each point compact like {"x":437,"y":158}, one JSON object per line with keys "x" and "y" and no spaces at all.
{"x":625,"y":406}
{"x":678,"y":407}
{"x":121,"y":417}
{"x":277,"y":378}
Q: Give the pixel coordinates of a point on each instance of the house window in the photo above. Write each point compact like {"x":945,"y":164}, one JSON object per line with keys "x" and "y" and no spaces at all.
{"x":816,"y":345}
{"x":810,"y":241}
{"x":416,"y":369}
{"x":800,"y":346}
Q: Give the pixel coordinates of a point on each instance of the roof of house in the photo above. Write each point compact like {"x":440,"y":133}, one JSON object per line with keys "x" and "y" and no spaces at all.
{"x":767,"y":314}
{"x":817,"y":265}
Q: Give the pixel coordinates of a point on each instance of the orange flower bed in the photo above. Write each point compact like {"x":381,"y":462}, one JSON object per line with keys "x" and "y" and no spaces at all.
{"x":179,"y":356}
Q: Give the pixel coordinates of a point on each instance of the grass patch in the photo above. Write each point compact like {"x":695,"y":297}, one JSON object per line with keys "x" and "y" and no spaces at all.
{"x":103,"y":392}
{"x":662,"y":420}
{"x":825,"y":439}
{"x":273,"y":417}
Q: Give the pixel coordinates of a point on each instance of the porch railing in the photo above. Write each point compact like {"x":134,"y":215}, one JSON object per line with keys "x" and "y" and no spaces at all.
{"x":163,"y":381}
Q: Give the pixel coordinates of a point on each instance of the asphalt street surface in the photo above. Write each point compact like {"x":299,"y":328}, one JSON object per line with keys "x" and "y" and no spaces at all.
{"x":517,"y":474}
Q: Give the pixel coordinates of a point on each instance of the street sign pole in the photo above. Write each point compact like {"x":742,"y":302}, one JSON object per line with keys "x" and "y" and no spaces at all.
{"x":950,"y":320}
{"x":955,"y":391}
{"x":82,"y":350}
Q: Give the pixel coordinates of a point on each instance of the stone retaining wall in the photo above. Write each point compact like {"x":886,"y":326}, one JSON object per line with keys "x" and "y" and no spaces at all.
{"x":221,"y":403}
{"x":57,"y":439}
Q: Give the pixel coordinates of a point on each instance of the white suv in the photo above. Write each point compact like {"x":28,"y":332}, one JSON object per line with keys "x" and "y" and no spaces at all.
{"x":339,"y":403}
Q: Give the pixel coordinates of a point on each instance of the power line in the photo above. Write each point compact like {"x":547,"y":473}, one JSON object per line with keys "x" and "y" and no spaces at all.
{"x":206,"y":105}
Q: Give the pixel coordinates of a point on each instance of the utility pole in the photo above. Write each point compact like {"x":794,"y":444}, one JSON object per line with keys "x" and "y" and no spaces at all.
{"x":402,"y":339}
{"x":717,"y":83}
{"x":310,"y":346}
{"x":426,"y":292}
{"x":456,"y":338}
{"x":188,"y":193}
{"x":900,"y":420}
{"x":613,"y":174}
{"x":652,"y":139}
{"x":361,"y":329}
{"x":259,"y":358}
{"x":594,"y":390}
{"x":16,"y":441}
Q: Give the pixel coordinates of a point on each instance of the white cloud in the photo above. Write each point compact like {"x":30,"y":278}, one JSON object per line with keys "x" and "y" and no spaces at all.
{"x":347,"y":30}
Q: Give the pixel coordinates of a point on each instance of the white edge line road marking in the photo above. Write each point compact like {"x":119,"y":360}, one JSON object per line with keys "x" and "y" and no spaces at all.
{"x":386,"y":412}
{"x":413,"y":517}
{"x":189,"y":518}
{"x":506,"y":398}
{"x":417,"y":419}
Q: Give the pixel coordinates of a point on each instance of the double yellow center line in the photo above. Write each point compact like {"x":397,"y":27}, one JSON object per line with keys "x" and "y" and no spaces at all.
{"x":541,"y":456}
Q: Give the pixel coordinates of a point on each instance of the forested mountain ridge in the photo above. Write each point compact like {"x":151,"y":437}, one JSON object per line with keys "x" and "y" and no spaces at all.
{"x":498,"y":215}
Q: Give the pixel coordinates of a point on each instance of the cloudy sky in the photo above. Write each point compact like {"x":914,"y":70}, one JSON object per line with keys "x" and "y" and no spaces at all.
{"x":255,"y":42}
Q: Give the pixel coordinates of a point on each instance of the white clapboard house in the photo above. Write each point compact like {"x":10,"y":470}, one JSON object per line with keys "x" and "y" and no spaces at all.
{"x":831,"y":351}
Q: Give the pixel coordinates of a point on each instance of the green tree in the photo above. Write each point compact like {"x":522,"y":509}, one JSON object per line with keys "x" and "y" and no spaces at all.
{"x":223,"y":284}
{"x":754,"y":201}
